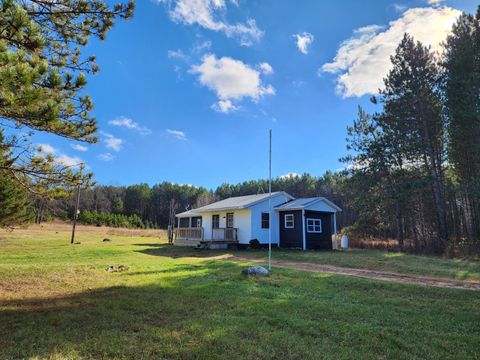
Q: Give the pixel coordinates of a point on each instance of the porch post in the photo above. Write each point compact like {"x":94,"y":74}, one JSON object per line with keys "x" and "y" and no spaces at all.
{"x":189,"y":222}
{"x":303,"y":230}
{"x":335,"y":230}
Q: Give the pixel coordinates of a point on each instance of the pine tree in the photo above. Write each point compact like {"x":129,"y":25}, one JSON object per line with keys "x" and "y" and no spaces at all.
{"x":43,"y":78}
{"x":462,"y":89}
{"x":14,"y":203}
{"x":414,"y":121}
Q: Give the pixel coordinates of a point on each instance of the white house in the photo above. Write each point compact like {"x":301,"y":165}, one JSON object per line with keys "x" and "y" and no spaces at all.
{"x":307,"y":223}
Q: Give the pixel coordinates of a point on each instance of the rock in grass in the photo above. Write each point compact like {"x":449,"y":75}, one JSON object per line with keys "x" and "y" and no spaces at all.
{"x":255,"y":271}
{"x":119,"y":268}
{"x":107,"y":240}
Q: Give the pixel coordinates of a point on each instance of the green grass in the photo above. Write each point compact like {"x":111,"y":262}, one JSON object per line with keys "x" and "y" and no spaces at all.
{"x":57,"y":301}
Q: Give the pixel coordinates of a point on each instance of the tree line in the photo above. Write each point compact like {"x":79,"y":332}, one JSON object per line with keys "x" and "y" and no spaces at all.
{"x":152,"y":204}
{"x":414,"y":165}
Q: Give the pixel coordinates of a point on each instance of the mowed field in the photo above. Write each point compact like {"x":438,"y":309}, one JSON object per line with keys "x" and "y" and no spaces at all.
{"x":57,"y":301}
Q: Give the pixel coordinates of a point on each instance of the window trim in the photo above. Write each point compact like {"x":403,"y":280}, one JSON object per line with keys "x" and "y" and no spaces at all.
{"x":314,"y":220}
{"x":262,"y":221}
{"x":286,"y":221}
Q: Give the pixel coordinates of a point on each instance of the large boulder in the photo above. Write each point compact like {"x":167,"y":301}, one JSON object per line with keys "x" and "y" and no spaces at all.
{"x":255,"y":271}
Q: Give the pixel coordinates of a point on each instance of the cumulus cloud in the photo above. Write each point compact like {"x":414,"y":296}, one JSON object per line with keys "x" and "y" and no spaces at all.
{"x":112,"y":142}
{"x":363,"y":60}
{"x":59,"y":157}
{"x":79,"y":147}
{"x":304,"y":40}
{"x":177,"y":134}
{"x":125,"y":122}
{"x":232,"y":80}
{"x":106,"y":157}
{"x":224,"y":106}
{"x":210,"y":14}
{"x":265,"y":68}
{"x":290,"y":175}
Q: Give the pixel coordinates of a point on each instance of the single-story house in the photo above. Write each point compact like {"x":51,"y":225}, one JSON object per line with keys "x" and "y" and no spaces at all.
{"x":307,"y":223}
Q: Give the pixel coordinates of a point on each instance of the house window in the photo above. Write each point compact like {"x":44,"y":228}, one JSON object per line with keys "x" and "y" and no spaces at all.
{"x":215,"y":221}
{"x":229,"y":220}
{"x":184,"y":223}
{"x":265,"y":220}
{"x":314,"y":225}
{"x":289,"y":222}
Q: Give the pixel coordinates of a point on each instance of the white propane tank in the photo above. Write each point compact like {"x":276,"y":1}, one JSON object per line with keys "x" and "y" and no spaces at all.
{"x":344,"y":242}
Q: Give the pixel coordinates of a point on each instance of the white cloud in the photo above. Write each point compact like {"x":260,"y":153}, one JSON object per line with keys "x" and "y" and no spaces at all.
{"x":46,"y":149}
{"x":399,"y":7}
{"x":106,"y":157}
{"x":232,"y":80}
{"x":70,"y":161}
{"x":177,"y":54}
{"x":304,"y":40}
{"x":199,"y":47}
{"x":266,"y":68}
{"x":59,"y":158}
{"x":177,"y":134}
{"x":79,"y":147}
{"x":364,"y":60}
{"x":112,"y":142}
{"x":123,"y":121}
{"x":210,"y":14}
{"x":224,"y":106}
{"x":290,"y":175}
{"x":434,"y":2}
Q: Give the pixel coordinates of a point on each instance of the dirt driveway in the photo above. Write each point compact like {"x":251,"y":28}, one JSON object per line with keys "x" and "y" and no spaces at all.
{"x":369,"y":274}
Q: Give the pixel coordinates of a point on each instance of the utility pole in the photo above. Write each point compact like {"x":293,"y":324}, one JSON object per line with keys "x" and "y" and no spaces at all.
{"x":75,"y":215}
{"x":270,"y":204}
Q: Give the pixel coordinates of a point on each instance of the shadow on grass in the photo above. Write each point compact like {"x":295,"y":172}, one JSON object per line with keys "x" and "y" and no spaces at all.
{"x":125,"y":322}
{"x":209,"y":310}
{"x":176,"y":252}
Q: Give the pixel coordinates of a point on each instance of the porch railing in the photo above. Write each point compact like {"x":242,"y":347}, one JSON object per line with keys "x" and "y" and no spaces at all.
{"x":224,"y":234}
{"x":189,"y":233}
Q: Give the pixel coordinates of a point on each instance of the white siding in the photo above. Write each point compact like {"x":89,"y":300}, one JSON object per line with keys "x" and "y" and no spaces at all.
{"x":320,"y":206}
{"x":262,"y":234}
{"x":241,"y":221}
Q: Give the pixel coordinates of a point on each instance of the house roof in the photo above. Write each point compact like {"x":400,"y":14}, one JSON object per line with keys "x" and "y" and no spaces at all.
{"x":233,"y":203}
{"x":304,"y":203}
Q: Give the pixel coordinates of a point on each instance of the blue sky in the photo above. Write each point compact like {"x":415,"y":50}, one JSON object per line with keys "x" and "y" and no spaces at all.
{"x":188,"y":89}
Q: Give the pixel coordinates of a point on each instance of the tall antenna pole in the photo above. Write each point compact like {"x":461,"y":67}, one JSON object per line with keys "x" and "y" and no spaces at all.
{"x":75,"y":215}
{"x":270,"y":204}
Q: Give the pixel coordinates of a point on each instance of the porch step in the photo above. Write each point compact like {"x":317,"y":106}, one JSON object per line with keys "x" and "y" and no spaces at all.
{"x":183,"y":242}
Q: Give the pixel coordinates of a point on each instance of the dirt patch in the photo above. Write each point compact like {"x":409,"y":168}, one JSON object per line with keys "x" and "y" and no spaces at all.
{"x":369,"y":274}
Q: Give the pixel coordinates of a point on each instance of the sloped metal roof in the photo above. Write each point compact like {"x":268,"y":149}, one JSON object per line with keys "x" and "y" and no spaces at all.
{"x":296,"y":204}
{"x":233,"y":203}
{"x":304,"y":203}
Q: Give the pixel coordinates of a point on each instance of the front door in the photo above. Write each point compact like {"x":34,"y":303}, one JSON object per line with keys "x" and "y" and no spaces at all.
{"x":229,"y":220}
{"x":215,"y":221}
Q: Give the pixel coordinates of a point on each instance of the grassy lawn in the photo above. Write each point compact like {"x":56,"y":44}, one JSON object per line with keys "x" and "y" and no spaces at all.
{"x":57,"y":301}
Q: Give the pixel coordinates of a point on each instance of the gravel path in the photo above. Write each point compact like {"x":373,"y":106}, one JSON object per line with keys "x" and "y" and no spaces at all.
{"x":372,"y":274}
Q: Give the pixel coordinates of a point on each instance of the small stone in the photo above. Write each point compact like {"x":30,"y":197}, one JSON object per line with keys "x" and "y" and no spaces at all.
{"x":255,"y":271}
{"x":119,"y":268}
